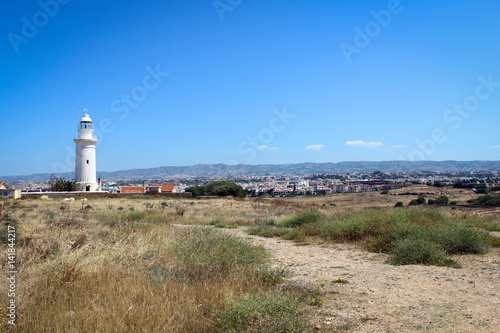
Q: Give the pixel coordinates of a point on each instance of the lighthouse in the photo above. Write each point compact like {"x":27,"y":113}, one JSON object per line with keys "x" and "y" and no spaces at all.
{"x":85,"y":171}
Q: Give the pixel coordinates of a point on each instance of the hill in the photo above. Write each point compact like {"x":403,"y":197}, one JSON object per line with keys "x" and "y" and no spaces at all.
{"x":224,"y":170}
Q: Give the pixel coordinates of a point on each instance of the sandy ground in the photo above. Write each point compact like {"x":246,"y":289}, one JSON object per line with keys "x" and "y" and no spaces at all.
{"x":384,"y":298}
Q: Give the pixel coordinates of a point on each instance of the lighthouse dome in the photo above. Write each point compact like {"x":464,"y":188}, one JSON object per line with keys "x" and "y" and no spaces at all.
{"x":85,"y":122}
{"x":86,"y":117}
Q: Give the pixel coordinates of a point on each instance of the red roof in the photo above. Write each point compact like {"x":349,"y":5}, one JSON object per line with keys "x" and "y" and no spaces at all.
{"x":132,"y":189}
{"x":166,"y":188}
{"x":1,"y":183}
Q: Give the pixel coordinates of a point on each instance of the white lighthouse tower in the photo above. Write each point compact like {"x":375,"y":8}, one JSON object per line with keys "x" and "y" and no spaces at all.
{"x":85,"y":171}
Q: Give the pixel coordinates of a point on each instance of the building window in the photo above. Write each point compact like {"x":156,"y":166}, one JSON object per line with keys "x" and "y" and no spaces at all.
{"x":87,"y":161}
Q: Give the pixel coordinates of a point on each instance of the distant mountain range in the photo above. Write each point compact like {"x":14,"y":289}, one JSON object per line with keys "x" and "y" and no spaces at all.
{"x":224,"y":170}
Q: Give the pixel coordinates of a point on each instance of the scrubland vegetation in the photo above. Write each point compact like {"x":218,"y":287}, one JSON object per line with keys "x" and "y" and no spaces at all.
{"x":101,"y":269}
{"x":410,"y":236}
{"x":134,"y":264}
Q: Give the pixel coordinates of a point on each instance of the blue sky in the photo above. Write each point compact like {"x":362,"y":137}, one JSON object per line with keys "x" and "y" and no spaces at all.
{"x":230,"y":81}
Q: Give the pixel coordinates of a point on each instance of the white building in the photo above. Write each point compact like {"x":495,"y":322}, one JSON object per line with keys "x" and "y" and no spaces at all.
{"x":85,"y":170}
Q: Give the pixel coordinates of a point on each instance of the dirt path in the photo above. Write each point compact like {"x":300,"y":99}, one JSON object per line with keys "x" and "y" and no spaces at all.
{"x":385,"y":298}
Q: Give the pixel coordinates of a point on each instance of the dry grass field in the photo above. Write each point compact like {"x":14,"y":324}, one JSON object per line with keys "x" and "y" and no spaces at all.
{"x":136,"y":265}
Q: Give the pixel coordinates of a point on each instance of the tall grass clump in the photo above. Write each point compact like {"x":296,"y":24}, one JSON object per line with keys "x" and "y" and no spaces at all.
{"x":357,"y":226}
{"x":419,"y":251}
{"x":301,"y":219}
{"x":204,"y":252}
{"x":270,"y":312}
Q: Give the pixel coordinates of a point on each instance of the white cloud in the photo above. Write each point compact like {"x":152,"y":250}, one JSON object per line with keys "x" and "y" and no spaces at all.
{"x":266,"y":147}
{"x":364,"y":144}
{"x":315,"y":147}
{"x":398,"y":146}
{"x":496,"y":147}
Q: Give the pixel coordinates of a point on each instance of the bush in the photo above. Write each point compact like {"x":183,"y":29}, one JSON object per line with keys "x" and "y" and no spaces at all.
{"x":271,"y":276}
{"x":269,"y":312}
{"x":419,"y":251}
{"x":421,"y":200}
{"x":218,"y":188}
{"x":418,"y":201}
{"x":442,"y":200}
{"x":399,"y":204}
{"x":298,"y":220}
{"x":486,"y":200}
{"x":61,"y":184}
{"x":355,"y":226}
{"x":460,"y":239}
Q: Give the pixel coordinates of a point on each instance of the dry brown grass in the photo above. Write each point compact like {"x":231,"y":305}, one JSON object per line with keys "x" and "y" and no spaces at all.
{"x":107,"y":270}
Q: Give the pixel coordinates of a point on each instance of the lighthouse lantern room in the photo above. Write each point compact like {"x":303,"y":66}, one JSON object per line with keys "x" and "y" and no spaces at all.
{"x":85,"y":170}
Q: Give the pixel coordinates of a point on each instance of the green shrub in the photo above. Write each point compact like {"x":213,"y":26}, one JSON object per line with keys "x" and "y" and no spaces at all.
{"x":442,"y":200}
{"x":134,"y":216}
{"x":311,"y":229}
{"x":270,"y":312}
{"x":399,"y":204}
{"x":419,"y":251}
{"x":271,"y":276}
{"x":418,"y":201}
{"x":380,"y":243}
{"x":298,"y":220}
{"x":486,"y":200}
{"x":355,"y":226}
{"x":460,"y":239}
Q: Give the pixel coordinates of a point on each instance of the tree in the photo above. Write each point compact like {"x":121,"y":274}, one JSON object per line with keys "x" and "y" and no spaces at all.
{"x":418,"y":201}
{"x":442,"y":200}
{"x":486,"y":200}
{"x":218,"y":188}
{"x":197,"y":191}
{"x":61,"y":184}
{"x":225,"y":188}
